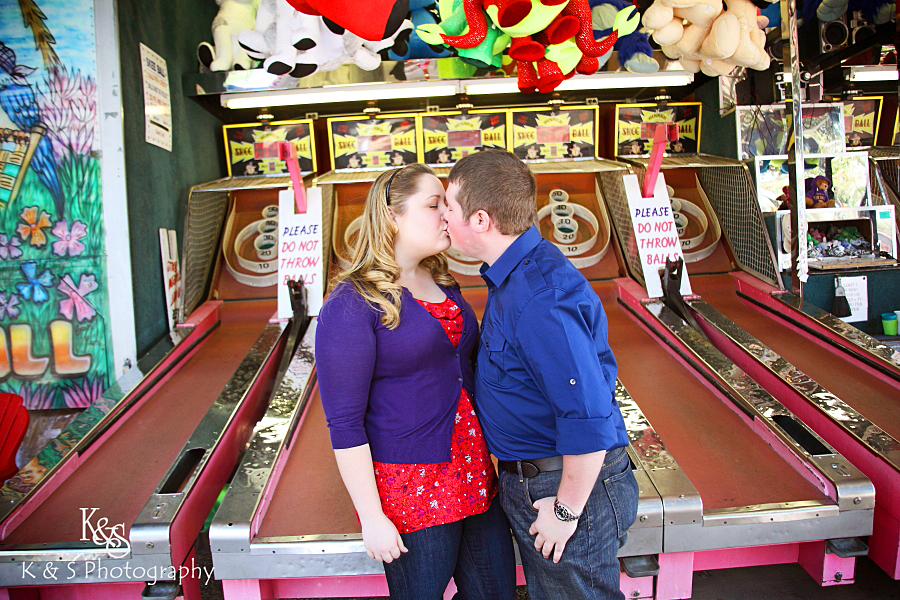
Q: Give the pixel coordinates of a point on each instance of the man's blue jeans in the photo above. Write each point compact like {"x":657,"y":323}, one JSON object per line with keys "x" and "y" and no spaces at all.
{"x":476,"y":551}
{"x":588,"y":567}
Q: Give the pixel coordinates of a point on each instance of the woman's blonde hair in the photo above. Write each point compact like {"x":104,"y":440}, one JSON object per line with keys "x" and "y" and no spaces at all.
{"x":373,"y":270}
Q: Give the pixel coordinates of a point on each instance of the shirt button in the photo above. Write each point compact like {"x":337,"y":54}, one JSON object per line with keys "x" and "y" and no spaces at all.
{"x":493,"y":290}
{"x":572,"y":381}
{"x":460,"y":379}
{"x":527,"y":262}
{"x":457,"y":355}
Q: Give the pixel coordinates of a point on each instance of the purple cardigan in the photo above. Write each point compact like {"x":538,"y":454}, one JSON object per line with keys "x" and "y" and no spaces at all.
{"x":396,"y":390}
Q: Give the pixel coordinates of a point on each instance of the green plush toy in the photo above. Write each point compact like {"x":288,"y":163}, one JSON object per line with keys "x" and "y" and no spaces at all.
{"x":487,"y":54}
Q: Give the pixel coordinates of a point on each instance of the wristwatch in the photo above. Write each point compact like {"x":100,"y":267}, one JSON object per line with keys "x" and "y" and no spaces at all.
{"x":564,"y":513}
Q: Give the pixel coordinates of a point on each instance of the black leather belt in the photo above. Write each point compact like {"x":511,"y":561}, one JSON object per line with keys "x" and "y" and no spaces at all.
{"x":531,"y":468}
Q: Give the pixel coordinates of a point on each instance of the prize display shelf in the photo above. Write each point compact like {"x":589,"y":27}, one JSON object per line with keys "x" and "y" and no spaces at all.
{"x":426,"y":83}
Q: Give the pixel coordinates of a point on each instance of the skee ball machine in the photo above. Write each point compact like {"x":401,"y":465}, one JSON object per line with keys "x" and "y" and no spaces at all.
{"x":808,"y":504}
{"x":266,"y":542}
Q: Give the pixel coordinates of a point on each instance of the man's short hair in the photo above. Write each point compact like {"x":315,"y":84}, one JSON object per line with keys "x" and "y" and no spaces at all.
{"x":500,"y":184}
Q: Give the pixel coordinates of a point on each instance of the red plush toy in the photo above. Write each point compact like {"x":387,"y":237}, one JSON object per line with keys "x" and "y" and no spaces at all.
{"x":374,"y":20}
{"x":543,"y":33}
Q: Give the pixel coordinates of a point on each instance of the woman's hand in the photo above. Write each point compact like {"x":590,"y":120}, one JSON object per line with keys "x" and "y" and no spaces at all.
{"x":382,"y":540}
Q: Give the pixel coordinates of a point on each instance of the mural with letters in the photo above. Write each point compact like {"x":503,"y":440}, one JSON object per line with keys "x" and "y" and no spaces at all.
{"x":55,"y":349}
{"x":861,"y":119}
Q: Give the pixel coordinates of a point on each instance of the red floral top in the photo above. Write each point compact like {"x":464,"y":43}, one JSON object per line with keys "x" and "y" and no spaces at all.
{"x":417,"y":496}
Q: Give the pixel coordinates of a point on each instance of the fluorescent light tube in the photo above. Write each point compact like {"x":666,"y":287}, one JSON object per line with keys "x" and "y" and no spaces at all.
{"x":339,"y":93}
{"x":874,"y":73}
{"x":501,"y":85}
{"x":603,"y":81}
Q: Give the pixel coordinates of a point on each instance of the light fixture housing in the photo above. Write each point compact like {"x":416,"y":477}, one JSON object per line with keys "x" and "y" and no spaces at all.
{"x":600,"y":81}
{"x":339,"y":93}
{"x":438,"y":87}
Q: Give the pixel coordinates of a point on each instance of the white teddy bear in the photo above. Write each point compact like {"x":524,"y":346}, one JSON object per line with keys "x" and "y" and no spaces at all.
{"x":225,"y":53}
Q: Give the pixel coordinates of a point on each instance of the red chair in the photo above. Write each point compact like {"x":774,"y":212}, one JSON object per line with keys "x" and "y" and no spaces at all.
{"x":13,"y":425}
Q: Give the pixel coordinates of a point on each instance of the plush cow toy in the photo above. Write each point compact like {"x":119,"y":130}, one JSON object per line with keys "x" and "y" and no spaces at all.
{"x":297,"y":44}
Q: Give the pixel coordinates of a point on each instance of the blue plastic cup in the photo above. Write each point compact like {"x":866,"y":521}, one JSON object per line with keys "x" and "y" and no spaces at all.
{"x":889,"y":322}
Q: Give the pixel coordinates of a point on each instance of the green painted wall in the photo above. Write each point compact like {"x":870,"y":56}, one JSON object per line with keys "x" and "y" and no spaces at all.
{"x":158,"y":181}
{"x":718,"y":134}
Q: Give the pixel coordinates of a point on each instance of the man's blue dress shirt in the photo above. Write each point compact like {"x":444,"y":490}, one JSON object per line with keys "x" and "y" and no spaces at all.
{"x":546,"y":376}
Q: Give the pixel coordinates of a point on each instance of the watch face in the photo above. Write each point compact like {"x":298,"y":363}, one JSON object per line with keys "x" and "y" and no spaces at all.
{"x":563,"y":513}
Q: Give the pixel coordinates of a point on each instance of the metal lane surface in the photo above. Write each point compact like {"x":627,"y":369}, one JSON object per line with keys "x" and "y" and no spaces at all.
{"x":313,"y":480}
{"x":876,"y":399}
{"x":729,"y":464}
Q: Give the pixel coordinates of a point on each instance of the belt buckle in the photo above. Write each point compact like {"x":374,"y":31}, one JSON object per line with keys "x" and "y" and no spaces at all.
{"x":529,"y":469}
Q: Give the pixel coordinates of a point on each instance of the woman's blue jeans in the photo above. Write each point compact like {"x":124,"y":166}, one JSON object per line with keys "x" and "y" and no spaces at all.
{"x":476,"y":551}
{"x":588,"y":567}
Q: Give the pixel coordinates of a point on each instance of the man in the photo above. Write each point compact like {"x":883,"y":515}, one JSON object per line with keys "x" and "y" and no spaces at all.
{"x":544,"y":387}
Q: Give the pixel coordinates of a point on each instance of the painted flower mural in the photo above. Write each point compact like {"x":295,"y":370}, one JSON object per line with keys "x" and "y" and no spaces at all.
{"x":34,"y":396}
{"x":34,"y":225}
{"x":9,"y":306}
{"x":69,"y":109}
{"x":35,"y":286}
{"x":76,"y":301}
{"x":82,"y":394}
{"x":10,"y":247}
{"x":52,"y":255}
{"x":69,"y":240}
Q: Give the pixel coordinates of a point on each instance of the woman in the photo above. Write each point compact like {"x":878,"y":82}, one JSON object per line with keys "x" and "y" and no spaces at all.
{"x":394,"y":350}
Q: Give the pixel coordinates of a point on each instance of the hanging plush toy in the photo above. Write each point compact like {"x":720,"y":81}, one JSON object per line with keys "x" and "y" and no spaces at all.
{"x":714,"y":41}
{"x":579,"y":54}
{"x":681,"y":22}
{"x":225,"y":53}
{"x":367,"y":54}
{"x":422,"y":13}
{"x":296,"y":44}
{"x":259,"y":41}
{"x":281,"y":33}
{"x":372,"y":20}
{"x":535,"y":30}
{"x":875,"y":11}
{"x":549,"y":41}
{"x":635,"y":51}
{"x":485,"y":54}
{"x":278,"y":34}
